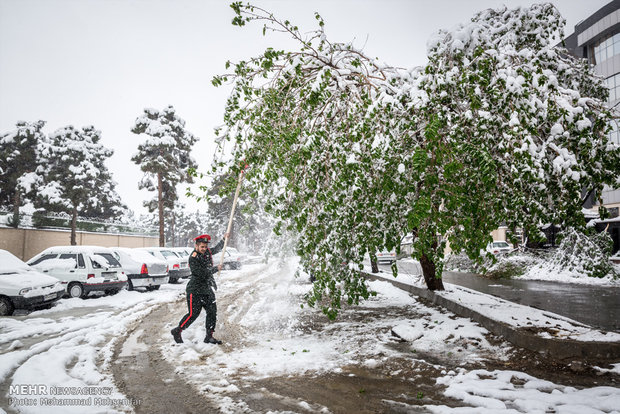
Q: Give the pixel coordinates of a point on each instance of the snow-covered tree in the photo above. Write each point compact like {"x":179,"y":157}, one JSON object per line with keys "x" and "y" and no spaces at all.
{"x":18,"y":163}
{"x":252,"y":227}
{"x":220,"y":200}
{"x":190,"y":225}
{"x":75,"y":178}
{"x":499,"y":127}
{"x":183,"y":226}
{"x":164,"y":156}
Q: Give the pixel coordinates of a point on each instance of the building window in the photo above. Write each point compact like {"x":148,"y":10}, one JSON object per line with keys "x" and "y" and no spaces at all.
{"x":613,"y":83}
{"x":605,"y":48}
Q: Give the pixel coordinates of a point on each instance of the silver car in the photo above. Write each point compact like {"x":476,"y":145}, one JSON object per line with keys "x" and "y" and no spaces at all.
{"x":142,"y":269}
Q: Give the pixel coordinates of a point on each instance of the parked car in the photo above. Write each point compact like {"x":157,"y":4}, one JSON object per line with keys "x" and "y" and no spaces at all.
{"x":142,"y":269}
{"x":499,"y":247}
{"x":22,"y":287}
{"x":82,"y":269}
{"x":406,"y":246}
{"x":182,"y":252}
{"x":386,"y":256}
{"x":178,"y":268}
{"x":232,"y":259}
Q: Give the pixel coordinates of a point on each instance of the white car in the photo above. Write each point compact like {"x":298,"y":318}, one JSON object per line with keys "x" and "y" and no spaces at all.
{"x":499,"y":247}
{"x":22,"y":287}
{"x":82,"y":269}
{"x":386,"y":256}
{"x":232,"y":260}
{"x":141,"y":268}
{"x":178,"y":268}
{"x":182,"y":252}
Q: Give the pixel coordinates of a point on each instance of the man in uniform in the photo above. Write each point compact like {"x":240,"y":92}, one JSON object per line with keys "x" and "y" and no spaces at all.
{"x":201,"y":288}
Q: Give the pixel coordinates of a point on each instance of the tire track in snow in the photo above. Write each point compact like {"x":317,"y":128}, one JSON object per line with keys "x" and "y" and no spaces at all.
{"x":68,"y":351}
{"x":145,"y":375}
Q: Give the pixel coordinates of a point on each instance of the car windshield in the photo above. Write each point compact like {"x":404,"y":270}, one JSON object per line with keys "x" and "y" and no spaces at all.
{"x":168,"y":253}
{"x":51,"y":262}
{"x":500,"y":244}
{"x":100,"y":260}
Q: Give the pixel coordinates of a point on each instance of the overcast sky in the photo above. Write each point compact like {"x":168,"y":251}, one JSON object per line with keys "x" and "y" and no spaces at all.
{"x":101,"y":62}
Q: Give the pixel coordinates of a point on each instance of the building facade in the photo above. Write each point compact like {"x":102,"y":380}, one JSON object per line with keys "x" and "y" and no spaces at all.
{"x":597,"y":39}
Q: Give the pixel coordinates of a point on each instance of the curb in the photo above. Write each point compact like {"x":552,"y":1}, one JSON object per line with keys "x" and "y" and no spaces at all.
{"x":554,"y":348}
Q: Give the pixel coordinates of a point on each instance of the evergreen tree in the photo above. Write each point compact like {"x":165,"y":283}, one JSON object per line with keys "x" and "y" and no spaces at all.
{"x":18,"y":165}
{"x":252,"y":227}
{"x":164,"y":157}
{"x":184,"y":226}
{"x":111,"y":206}
{"x":76,"y":180}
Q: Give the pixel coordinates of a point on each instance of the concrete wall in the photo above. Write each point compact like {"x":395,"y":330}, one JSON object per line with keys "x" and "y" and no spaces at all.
{"x":25,"y":243}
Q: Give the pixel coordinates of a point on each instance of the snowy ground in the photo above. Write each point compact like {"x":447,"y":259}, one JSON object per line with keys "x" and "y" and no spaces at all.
{"x":513,"y":314}
{"x":70,"y":345}
{"x":268,"y":336}
{"x":546,"y":271}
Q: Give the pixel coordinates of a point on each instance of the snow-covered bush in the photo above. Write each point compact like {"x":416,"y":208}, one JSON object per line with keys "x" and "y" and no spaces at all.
{"x":515,"y":264}
{"x":587,"y":253}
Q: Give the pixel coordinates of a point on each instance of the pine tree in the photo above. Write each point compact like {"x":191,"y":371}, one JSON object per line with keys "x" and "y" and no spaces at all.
{"x":164,"y":157}
{"x":252,"y":227}
{"x":111,"y":206}
{"x":76,"y":180}
{"x":18,"y":165}
{"x":184,"y":226}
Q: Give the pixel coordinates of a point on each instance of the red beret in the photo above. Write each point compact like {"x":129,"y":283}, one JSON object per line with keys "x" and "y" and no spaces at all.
{"x":202,"y":237}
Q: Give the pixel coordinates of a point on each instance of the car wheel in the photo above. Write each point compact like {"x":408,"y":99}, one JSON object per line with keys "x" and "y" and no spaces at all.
{"x":6,"y":307}
{"x":76,"y":290}
{"x":150,"y":288}
{"x":129,"y":285}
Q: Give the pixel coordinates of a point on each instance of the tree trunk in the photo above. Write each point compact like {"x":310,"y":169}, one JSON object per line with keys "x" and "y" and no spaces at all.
{"x":374,"y":266}
{"x":160,"y":199}
{"x":428,"y":270}
{"x":73,"y":226}
{"x":16,"y":201}
{"x":173,"y":236}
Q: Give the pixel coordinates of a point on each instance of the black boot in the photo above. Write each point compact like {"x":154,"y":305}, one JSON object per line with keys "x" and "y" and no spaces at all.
{"x":209,"y":339}
{"x":176,"y":334}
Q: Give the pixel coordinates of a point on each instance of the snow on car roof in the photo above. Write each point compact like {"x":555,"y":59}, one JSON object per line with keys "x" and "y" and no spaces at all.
{"x":139,"y":255}
{"x":156,"y":248}
{"x":77,"y":249}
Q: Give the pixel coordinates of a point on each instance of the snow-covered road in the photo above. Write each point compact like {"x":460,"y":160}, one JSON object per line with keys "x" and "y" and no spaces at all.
{"x":52,"y":356}
{"x":276,"y":356}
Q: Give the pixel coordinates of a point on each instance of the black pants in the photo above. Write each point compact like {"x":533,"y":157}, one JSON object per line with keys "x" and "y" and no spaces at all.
{"x":195,"y":303}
